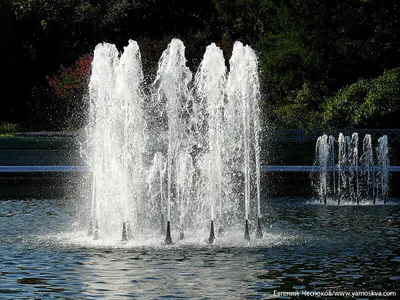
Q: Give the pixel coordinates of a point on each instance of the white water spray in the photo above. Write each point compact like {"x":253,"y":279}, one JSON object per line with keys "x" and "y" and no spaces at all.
{"x":360,"y":177}
{"x":117,"y":141}
{"x":384,"y":164}
{"x":210,"y":81}
{"x":189,"y":151}
{"x":242,"y":113}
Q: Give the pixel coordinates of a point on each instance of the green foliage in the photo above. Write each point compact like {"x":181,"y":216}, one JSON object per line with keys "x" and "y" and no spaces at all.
{"x":308,"y":50}
{"x":302,"y":108}
{"x":307,"y":43}
{"x":367,"y":102}
{"x":40,"y":35}
{"x":7,"y":128}
{"x":382,"y":102}
{"x":339,"y":111}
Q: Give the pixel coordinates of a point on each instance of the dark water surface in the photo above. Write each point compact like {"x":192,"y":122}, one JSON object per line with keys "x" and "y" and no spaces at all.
{"x":307,"y":247}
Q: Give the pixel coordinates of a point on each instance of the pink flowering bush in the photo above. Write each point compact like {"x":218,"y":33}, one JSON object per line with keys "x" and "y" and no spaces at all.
{"x":69,"y":88}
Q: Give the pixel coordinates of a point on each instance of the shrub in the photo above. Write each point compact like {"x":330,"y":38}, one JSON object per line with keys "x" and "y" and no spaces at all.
{"x":302,"y":108}
{"x":366,"y":103}
{"x":69,"y":88}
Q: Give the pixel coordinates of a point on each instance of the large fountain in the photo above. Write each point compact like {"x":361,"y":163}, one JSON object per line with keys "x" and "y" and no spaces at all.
{"x":184,"y":157}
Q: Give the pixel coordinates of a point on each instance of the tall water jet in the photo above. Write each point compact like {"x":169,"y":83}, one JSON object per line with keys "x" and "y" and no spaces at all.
{"x":101,"y":88}
{"x":114,"y":85}
{"x":367,"y":171}
{"x":155,"y":181}
{"x":116,"y":129}
{"x":349,"y":153}
{"x":383,"y":164}
{"x":171,"y":85}
{"x":342,"y":162}
{"x":331,"y":163}
{"x":322,"y":160}
{"x":184,"y":172}
{"x":353,"y":159}
{"x":129,"y":80}
{"x":254,"y":86}
{"x":241,"y":113}
{"x":210,"y":81}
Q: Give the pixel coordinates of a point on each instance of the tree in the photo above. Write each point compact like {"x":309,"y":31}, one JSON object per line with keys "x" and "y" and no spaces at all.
{"x":41,"y":35}
{"x":368,"y":102}
{"x":312,"y":43}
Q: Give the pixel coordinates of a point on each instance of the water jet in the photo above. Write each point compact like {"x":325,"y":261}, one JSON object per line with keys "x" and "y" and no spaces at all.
{"x":90,"y":230}
{"x":187,"y":151}
{"x":124,"y":232}
{"x":96,"y":235}
{"x":259,"y":233}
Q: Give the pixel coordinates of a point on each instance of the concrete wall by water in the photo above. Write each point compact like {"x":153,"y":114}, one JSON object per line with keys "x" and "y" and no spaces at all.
{"x":39,"y":151}
{"x":35,"y":157}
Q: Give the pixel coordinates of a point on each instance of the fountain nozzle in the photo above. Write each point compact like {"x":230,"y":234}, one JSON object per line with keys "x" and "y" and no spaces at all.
{"x":246,"y":231}
{"x":168,"y":239}
{"x":212,"y":235}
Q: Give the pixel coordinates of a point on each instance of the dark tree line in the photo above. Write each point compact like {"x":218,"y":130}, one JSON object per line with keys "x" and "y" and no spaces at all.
{"x":312,"y":54}
{"x":322,"y":62}
{"x":38,"y":36}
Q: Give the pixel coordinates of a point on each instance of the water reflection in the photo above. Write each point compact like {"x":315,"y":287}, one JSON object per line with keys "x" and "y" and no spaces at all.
{"x":183,"y":272}
{"x":307,"y":247}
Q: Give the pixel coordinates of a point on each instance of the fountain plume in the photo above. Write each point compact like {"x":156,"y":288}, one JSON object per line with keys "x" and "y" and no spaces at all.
{"x":188,"y":153}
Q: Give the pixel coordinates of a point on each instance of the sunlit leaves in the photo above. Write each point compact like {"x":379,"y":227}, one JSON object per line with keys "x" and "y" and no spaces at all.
{"x":368,"y":101}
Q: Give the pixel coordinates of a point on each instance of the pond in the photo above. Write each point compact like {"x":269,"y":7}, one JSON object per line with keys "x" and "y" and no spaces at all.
{"x":307,"y":249}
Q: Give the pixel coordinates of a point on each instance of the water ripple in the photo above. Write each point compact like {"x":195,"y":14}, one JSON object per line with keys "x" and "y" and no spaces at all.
{"x":44,"y":253}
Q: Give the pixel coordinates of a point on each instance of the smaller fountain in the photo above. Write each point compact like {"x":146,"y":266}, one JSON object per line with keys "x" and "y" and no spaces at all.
{"x":354,"y":177}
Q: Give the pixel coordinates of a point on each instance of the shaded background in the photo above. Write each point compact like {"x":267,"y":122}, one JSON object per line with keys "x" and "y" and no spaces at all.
{"x":323,"y":63}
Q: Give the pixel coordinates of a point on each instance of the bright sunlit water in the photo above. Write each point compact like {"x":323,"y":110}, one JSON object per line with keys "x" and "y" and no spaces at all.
{"x":306,"y":246}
